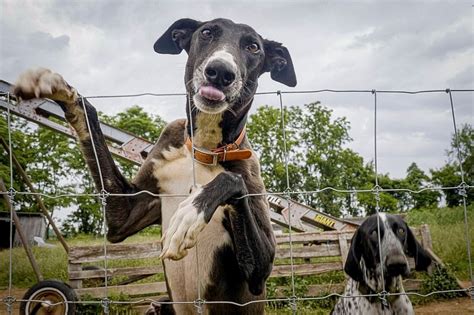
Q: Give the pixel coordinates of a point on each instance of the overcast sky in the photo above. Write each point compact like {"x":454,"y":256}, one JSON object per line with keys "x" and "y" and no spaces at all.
{"x":105,"y":48}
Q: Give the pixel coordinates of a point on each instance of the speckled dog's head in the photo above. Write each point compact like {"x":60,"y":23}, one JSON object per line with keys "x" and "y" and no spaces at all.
{"x":397,"y":241}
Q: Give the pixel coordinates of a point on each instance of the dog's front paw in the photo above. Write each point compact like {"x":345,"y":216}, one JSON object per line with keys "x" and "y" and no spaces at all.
{"x":43,"y":83}
{"x":184,"y":227}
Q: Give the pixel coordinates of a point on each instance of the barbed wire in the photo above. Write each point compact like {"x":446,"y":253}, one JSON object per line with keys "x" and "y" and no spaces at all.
{"x":103,"y":194}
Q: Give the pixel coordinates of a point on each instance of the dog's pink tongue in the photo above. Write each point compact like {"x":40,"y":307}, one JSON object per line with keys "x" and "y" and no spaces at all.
{"x":211,"y":93}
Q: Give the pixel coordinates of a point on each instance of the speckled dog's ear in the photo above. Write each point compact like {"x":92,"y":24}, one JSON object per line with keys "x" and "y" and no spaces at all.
{"x":352,"y":266}
{"x":415,"y":250}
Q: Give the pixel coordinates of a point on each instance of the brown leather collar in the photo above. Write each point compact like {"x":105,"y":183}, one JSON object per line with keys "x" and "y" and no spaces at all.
{"x":229,"y":152}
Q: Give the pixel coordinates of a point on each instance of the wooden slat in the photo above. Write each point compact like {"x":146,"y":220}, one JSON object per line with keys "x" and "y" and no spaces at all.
{"x":129,"y":289}
{"x":426,"y":241}
{"x":75,"y":284}
{"x":87,"y":254}
{"x":330,"y":250}
{"x":312,"y":237}
{"x":344,"y":249}
{"x":113,"y":272}
{"x":316,"y":237}
{"x":305,"y":269}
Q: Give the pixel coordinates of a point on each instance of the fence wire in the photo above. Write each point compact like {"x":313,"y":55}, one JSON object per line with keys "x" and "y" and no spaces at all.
{"x":292,"y":300}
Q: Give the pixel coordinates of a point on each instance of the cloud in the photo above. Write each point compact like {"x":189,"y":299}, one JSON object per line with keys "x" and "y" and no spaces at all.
{"x":105,"y":48}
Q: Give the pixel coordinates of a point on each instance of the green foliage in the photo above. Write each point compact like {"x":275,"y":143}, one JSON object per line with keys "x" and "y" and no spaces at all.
{"x":22,"y":144}
{"x":97,"y":308}
{"x":316,"y":155}
{"x":448,"y":235}
{"x":440,"y":280}
{"x":415,"y":180}
{"x":278,"y":287}
{"x":56,"y":166}
{"x":138,"y":122}
{"x":450,"y":174}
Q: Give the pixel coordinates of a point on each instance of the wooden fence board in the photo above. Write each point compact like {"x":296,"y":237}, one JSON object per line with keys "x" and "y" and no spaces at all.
{"x":305,"y":269}
{"x":312,"y":237}
{"x":307,"y":245}
{"x":113,"y":272}
{"x":87,"y":254}
{"x":129,"y":289}
{"x":329,"y":250}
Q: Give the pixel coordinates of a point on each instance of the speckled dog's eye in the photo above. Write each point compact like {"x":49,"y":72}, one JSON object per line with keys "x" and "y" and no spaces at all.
{"x":401,"y":231}
{"x":206,"y":33}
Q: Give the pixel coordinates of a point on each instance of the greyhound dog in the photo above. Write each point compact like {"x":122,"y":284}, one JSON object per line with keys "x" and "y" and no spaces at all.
{"x":364,"y":264}
{"x":217,"y":238}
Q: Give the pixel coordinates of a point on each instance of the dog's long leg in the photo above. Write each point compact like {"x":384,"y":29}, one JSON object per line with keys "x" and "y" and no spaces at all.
{"x":125,"y":215}
{"x":253,"y":243}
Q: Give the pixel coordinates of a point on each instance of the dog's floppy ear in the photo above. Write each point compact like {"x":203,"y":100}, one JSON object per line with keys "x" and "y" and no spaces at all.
{"x":177,"y":37}
{"x":415,"y":250}
{"x":352,"y":266}
{"x":278,"y":63}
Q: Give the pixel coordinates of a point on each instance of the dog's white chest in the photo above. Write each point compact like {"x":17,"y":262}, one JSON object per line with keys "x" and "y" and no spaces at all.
{"x":178,"y":176}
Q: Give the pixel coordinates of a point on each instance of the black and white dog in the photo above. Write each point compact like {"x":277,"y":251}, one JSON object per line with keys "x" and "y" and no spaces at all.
{"x":363,"y":265}
{"x":227,"y":240}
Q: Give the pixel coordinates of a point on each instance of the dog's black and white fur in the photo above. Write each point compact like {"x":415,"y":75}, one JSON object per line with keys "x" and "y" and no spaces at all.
{"x":231,"y":237}
{"x":363,"y":266}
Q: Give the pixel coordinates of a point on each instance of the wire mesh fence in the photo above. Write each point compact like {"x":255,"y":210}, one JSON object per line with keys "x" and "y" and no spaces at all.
{"x":293,"y":299}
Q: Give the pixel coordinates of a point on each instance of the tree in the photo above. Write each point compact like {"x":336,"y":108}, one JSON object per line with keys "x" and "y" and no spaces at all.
{"x":88,"y":217}
{"x":56,"y":166}
{"x":21,"y":143}
{"x":450,"y":174}
{"x":416,"y":179}
{"x":316,"y":155}
{"x":138,"y":122}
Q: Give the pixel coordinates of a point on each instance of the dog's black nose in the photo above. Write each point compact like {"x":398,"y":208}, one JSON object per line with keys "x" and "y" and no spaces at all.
{"x":219,"y":73}
{"x":397,"y":267}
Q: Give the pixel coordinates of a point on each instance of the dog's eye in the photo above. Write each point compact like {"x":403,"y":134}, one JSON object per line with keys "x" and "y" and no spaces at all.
{"x":206,"y":33}
{"x":253,"y":48}
{"x":401,"y":231}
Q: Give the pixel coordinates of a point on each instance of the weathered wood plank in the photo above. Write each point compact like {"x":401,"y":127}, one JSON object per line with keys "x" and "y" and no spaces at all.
{"x":344,"y":249}
{"x":130,"y":289}
{"x":75,"y":284}
{"x":86,"y":254}
{"x":113,"y":272}
{"x":317,"y":237}
{"x":305,"y":269}
{"x":426,"y":241}
{"x":312,"y":237}
{"x":311,"y":251}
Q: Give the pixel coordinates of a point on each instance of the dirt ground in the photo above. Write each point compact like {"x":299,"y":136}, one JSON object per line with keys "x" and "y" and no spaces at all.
{"x":453,"y":306}
{"x":445,"y":307}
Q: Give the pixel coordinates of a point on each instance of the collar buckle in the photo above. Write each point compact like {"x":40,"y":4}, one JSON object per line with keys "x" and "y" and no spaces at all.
{"x":214,"y":155}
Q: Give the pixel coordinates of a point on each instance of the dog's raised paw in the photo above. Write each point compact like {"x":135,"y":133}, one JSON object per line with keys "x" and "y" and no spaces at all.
{"x":43,"y":83}
{"x":183,"y":230}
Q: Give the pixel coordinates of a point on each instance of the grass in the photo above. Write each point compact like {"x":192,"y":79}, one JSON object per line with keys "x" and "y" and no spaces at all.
{"x":53,"y":261}
{"x":448,"y":235}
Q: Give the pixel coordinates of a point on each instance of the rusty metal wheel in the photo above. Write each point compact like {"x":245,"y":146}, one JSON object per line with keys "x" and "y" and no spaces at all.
{"x":49,"y":297}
